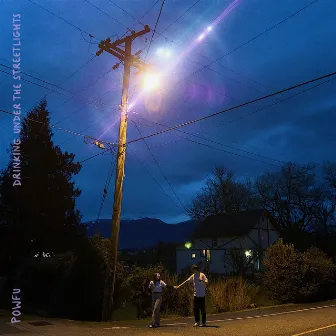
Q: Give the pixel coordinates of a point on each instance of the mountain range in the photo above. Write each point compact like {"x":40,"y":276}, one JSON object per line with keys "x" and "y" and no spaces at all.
{"x":144,"y":232}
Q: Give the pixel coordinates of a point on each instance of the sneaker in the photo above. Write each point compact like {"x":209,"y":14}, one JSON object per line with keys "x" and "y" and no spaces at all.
{"x":196,"y":324}
{"x":151,"y":326}
{"x":203,"y":325}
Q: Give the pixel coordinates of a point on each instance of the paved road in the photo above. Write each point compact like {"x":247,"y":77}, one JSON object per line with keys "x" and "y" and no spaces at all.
{"x":310,"y":320}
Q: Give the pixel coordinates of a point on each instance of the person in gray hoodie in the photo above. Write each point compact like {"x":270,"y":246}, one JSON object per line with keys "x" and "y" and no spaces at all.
{"x":157,"y":286}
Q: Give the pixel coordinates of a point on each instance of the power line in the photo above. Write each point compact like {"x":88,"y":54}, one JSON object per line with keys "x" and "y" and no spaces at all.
{"x":259,"y":110}
{"x":161,"y":34}
{"x":28,"y":81}
{"x":218,"y":143}
{"x":59,"y":128}
{"x":157,"y":21}
{"x":59,"y":17}
{"x":86,"y":128}
{"x":236,"y":154}
{"x":60,"y":93}
{"x":93,"y":156}
{"x":153,"y":178}
{"x":41,"y":80}
{"x":235,"y":107}
{"x":250,"y":40}
{"x":158,"y":165}
{"x":111,"y":17}
{"x":138,"y":20}
{"x":107,"y":184}
{"x":192,"y":6}
{"x":74,"y":94}
{"x":72,"y":74}
{"x":85,"y":87}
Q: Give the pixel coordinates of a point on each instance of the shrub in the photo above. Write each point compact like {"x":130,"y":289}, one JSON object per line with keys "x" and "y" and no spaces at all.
{"x":80,"y":293}
{"x":292,"y":276}
{"x":282,"y":271}
{"x":70,"y":285}
{"x":318,"y":275}
{"x":231,"y":294}
{"x":177,"y":302}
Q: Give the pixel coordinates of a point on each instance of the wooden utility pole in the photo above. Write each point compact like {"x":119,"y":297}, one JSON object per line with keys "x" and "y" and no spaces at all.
{"x":125,"y":56}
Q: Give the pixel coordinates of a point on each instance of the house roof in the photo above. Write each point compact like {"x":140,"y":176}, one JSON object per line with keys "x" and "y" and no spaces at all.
{"x":238,"y":224}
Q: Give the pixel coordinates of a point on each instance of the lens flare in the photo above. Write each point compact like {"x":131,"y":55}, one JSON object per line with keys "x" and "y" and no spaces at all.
{"x":201,"y":37}
{"x":151,"y":82}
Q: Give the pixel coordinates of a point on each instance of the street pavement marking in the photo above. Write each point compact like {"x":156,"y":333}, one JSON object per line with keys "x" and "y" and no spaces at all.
{"x":318,"y":329}
{"x":249,"y":317}
{"x":172,"y":324}
{"x":259,"y":316}
{"x":116,"y":328}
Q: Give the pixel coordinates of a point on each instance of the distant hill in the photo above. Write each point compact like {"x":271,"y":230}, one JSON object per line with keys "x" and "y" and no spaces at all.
{"x":143,"y":233}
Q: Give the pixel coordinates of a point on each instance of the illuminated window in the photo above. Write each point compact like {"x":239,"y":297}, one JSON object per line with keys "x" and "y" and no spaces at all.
{"x":203,"y":253}
{"x":193,"y":256}
{"x":208,"y":255}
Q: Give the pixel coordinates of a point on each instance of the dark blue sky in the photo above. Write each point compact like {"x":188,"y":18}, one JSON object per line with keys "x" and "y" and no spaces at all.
{"x":300,"y":129}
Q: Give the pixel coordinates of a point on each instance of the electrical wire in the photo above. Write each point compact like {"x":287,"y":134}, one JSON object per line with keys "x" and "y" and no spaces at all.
{"x":85,"y":87}
{"x":153,"y":178}
{"x":157,"y":21}
{"x":256,"y":111}
{"x":161,"y":35}
{"x":107,"y":184}
{"x":75,"y":94}
{"x":249,"y":41}
{"x":273,"y":104}
{"x":28,"y":81}
{"x":59,"y":128}
{"x":93,"y":156}
{"x":158,"y":165}
{"x":59,"y":17}
{"x":216,"y":142}
{"x":180,"y":17}
{"x":34,"y":77}
{"x":138,"y":20}
{"x":235,"y":107}
{"x":111,"y":17}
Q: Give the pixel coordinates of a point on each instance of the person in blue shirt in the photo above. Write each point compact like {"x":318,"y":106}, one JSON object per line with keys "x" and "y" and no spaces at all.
{"x":157,"y":286}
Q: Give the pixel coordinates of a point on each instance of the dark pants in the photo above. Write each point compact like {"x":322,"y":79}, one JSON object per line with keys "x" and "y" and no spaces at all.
{"x":199,"y":305}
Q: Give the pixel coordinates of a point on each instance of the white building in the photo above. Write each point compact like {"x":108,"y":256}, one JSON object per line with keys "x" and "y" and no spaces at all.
{"x":221,"y":242}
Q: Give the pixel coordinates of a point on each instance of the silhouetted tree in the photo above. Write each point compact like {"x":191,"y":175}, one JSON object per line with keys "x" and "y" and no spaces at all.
{"x":40,"y":214}
{"x":298,"y":200}
{"x":222,"y":194}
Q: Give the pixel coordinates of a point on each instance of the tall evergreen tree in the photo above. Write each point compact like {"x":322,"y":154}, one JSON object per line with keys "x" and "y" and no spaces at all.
{"x":39,"y":215}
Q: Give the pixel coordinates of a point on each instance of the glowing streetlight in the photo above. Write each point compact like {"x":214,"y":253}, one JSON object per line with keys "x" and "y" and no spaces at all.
{"x":151,"y":81}
{"x":187,"y":245}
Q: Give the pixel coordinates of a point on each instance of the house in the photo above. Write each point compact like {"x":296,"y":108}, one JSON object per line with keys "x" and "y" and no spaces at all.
{"x":219,"y":241}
